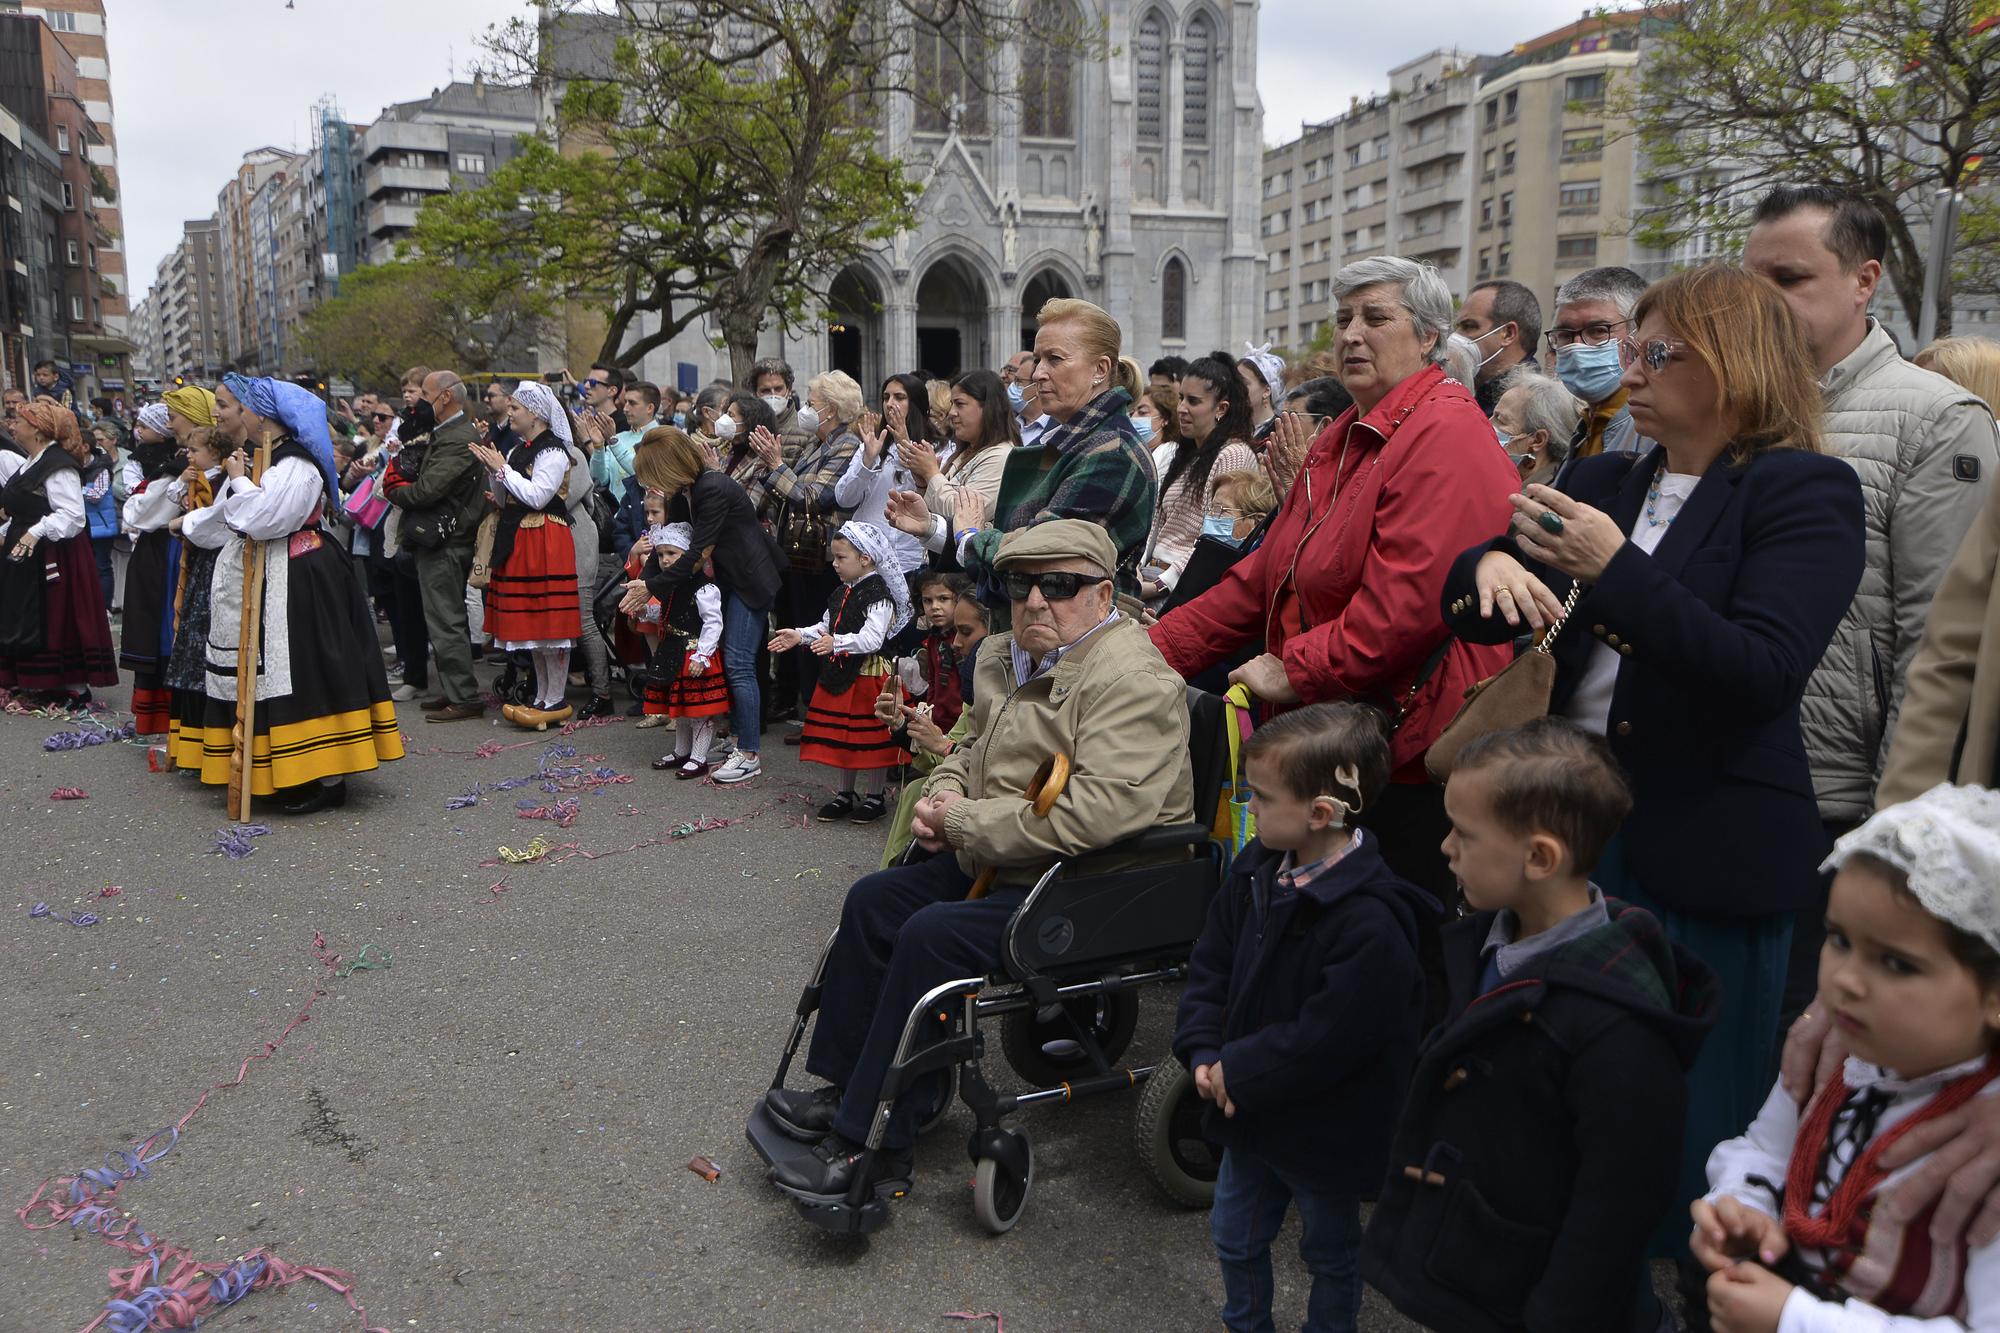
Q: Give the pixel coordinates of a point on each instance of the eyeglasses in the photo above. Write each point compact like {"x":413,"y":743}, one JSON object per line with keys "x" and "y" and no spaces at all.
{"x":384,"y":416}
{"x":1590,"y":335}
{"x":1654,"y":353}
{"x":1057,"y":586}
{"x":590,"y":384}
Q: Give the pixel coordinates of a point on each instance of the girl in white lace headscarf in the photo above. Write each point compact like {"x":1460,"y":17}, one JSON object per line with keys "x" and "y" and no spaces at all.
{"x":1910,"y":973}
{"x":871,"y":605}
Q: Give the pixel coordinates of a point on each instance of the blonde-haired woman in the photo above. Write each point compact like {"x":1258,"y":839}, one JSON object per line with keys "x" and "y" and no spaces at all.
{"x":1710,"y":573}
{"x":1970,"y":363}
{"x":724,"y":522}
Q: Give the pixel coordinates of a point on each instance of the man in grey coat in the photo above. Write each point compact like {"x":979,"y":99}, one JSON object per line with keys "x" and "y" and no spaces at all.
{"x":1925,"y":450}
{"x":447,"y":484}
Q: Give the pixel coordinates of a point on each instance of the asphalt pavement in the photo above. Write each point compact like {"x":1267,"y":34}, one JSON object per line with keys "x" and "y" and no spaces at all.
{"x":492,"y":1132}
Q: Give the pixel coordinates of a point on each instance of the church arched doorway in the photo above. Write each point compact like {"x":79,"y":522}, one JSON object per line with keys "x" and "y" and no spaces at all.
{"x":951,"y":320}
{"x":1047,"y":285}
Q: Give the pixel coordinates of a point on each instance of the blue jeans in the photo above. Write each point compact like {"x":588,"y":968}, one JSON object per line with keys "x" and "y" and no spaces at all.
{"x":744,"y":631}
{"x":1251,"y":1197}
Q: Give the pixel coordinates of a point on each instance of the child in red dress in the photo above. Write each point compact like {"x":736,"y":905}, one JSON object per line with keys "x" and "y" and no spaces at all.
{"x":870,"y":607}
{"x":685,"y":681}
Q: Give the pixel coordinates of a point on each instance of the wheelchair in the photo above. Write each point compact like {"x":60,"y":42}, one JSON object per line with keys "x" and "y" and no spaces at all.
{"x":1073,"y":958}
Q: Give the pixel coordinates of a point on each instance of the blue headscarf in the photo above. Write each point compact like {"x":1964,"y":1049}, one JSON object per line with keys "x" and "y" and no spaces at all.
{"x":299,"y":410}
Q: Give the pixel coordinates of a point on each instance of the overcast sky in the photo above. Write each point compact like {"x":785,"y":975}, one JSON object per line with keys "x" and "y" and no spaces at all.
{"x":199,"y":82}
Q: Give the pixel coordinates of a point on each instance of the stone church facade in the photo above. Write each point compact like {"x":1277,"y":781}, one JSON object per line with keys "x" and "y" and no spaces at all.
{"x":1129,"y":177}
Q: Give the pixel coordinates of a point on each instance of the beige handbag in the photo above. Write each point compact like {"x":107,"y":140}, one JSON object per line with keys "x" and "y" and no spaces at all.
{"x":1516,"y":694}
{"x":482,"y":551}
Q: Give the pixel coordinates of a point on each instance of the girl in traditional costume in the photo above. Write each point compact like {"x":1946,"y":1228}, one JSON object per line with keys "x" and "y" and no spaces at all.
{"x":321,"y":708}
{"x":146,"y":631}
{"x":685,"y":681}
{"x":55,"y":635}
{"x":531,"y":598}
{"x":189,"y":597}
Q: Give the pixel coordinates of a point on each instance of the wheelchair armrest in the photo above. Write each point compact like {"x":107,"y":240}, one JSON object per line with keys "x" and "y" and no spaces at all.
{"x":1166,"y":838}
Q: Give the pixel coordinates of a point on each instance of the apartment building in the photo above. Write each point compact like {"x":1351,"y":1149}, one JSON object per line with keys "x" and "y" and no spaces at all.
{"x":240,"y":332}
{"x":1555,"y":184}
{"x":1391,"y":176}
{"x":455,"y":138}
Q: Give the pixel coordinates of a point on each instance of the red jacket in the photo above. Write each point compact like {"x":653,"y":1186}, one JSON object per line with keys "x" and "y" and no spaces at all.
{"x":1346,"y":586}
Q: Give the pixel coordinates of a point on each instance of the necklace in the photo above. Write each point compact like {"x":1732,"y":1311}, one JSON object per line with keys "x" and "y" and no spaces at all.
{"x":1653,"y":520}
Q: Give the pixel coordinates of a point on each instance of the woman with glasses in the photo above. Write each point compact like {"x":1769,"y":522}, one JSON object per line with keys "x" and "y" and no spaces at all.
{"x":1698,"y":584}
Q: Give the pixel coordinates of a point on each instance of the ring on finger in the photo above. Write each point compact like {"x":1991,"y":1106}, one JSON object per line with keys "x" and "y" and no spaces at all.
{"x":1551,"y":522}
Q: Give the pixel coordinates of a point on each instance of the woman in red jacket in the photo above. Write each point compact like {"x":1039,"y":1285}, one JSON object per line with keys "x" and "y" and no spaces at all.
{"x":1343,"y":592}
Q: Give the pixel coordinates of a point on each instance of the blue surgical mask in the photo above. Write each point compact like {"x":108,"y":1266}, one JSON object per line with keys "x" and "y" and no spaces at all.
{"x":1501,"y":435}
{"x":1221,"y":527}
{"x":1143,"y":425}
{"x":681,"y":420}
{"x":1017,"y":396}
{"x":1591,"y":373}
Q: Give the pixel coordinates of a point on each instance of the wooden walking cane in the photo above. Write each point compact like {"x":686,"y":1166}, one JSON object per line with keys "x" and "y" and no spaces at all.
{"x":243,"y":735}
{"x":1043,"y":790}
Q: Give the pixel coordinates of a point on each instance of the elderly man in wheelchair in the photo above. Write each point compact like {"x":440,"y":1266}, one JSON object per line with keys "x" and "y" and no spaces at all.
{"x":1074,"y":706}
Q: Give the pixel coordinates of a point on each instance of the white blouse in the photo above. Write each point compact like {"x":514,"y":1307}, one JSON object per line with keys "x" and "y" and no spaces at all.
{"x":1590,"y":705}
{"x":64,"y":492}
{"x":708,"y":601}
{"x":874,"y":631}
{"x":865,"y":490}
{"x":551,"y":466}
{"x":153,"y":508}
{"x":205,"y":527}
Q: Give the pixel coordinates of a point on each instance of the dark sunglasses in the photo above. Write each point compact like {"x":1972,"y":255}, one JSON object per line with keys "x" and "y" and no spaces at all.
{"x":383,"y":416}
{"x":1059,"y":586}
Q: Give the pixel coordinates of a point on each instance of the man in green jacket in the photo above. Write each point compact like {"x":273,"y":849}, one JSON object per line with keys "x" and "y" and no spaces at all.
{"x":447,"y":494}
{"x":1074,"y":677}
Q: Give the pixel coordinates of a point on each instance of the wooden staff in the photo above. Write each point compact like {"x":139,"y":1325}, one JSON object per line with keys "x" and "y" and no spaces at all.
{"x":242,"y":735}
{"x":1043,"y":790}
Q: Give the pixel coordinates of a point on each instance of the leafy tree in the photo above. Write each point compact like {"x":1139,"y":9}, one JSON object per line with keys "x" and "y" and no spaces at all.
{"x":713,"y":159}
{"x":388,"y":317}
{"x":1893,"y":99}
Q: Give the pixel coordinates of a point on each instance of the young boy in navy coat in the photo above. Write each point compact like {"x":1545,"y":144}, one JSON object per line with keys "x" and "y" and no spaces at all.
{"x":1303,"y":1012}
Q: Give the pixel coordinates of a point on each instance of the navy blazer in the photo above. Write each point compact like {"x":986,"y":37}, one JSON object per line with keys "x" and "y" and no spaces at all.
{"x":1718,"y":630}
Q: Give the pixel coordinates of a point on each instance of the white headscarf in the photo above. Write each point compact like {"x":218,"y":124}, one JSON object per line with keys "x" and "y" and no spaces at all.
{"x":1947,"y":843}
{"x":1270,"y":365}
{"x":874,"y":543}
{"x":680,"y":536}
{"x":541,"y":400}
{"x":154,"y":417}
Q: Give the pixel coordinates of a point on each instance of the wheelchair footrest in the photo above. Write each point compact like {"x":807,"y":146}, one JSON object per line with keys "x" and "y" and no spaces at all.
{"x":772,"y":1144}
{"x":843,"y":1218}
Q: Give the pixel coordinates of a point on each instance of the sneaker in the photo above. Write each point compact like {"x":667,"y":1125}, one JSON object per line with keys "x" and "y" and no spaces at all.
{"x":402,"y":694}
{"x":741,"y":766}
{"x":871,"y":809}
{"x":839,"y":808}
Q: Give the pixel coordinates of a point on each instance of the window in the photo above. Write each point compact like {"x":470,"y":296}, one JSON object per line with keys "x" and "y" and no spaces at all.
{"x":68,"y":196}
{"x":1312,"y":171}
{"x":1587,"y":144}
{"x":1048,"y":67}
{"x":1358,"y":196}
{"x":1149,"y":64}
{"x":60,"y":20}
{"x":62,"y":138}
{"x":70,"y":253}
{"x":76,"y":308}
{"x":1584,"y":88}
{"x":1576,"y":249}
{"x":1354,"y":155}
{"x":1485,"y":263}
{"x":1486,"y":163}
{"x":942,"y":73}
{"x":1492,"y":110}
{"x":1197,"y":74}
{"x":1579,"y":194}
{"x":1381,"y":147}
{"x":1506,"y":257}
{"x":469,"y":164}
{"x":1276,"y":299}
{"x":1507,"y":206}
{"x":1173,"y":300}
{"x":1485,"y":212}
{"x":1513,"y":102}
{"x":1283,"y":259}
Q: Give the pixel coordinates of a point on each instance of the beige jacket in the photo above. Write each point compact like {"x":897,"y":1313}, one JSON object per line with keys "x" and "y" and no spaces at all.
{"x":1949,"y":728}
{"x":1119,"y":712}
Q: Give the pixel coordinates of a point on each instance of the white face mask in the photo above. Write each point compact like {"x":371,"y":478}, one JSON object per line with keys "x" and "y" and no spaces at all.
{"x":725,"y":428}
{"x":777,"y":402}
{"x":808,"y":419}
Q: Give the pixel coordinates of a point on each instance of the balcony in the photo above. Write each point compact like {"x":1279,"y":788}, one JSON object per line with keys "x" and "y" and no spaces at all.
{"x":1449,"y":190}
{"x":387,"y":136}
{"x":391,"y":217}
{"x":429,"y":180}
{"x":1448,"y":144}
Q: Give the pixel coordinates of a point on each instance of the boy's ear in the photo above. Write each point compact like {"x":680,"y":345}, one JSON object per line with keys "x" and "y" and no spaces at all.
{"x":1546,"y":856}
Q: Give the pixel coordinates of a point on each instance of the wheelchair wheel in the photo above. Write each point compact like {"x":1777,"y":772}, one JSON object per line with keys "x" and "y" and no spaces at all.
{"x":1168,"y":1133}
{"x":999,"y":1196}
{"x":1047,"y":1054}
{"x":944,"y":1106}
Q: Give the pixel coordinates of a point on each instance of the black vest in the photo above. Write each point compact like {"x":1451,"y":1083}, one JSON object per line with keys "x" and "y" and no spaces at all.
{"x":846,"y":613}
{"x":522,"y":460}
{"x":680,"y":617}
{"x":22,"y":496}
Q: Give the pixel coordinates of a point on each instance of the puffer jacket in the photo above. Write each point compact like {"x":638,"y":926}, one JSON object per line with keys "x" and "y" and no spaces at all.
{"x":1114,"y":707}
{"x":1926,"y":451}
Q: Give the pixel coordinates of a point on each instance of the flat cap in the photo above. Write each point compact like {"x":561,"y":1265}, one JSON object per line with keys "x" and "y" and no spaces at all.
{"x":1059,"y":539}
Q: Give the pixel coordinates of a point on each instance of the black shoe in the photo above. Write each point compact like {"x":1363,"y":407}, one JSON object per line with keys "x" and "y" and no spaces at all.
{"x":828,"y":1171}
{"x":667,"y":761}
{"x":314,"y":796}
{"x":840,"y":807}
{"x":638,"y":708}
{"x":805,"y":1116}
{"x":871,"y":809}
{"x":600,"y":705}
